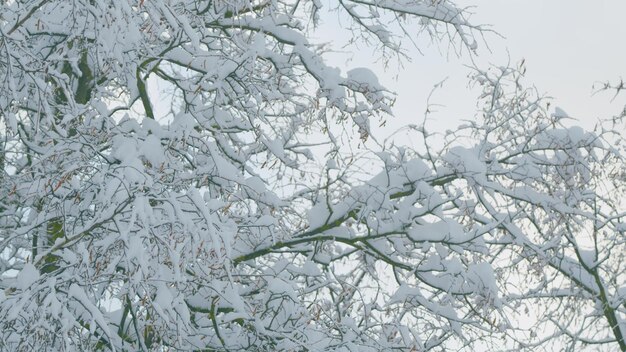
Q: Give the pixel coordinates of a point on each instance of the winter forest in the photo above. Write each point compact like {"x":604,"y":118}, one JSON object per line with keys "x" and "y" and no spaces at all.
{"x":264,"y":210}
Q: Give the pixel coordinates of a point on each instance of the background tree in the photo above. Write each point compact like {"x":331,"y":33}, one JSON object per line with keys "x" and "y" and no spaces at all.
{"x":219,"y":228}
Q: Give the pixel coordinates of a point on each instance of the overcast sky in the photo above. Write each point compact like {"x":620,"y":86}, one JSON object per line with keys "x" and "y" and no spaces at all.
{"x":568,"y":46}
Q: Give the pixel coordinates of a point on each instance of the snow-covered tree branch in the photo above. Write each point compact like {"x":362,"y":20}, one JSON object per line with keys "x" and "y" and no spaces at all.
{"x":237,"y":220}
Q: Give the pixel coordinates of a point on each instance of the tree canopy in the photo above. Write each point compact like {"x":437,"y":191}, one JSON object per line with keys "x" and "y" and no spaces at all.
{"x":244,"y":219}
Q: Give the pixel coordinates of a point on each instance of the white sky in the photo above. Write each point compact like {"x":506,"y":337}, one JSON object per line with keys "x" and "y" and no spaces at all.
{"x":568,"y":46}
